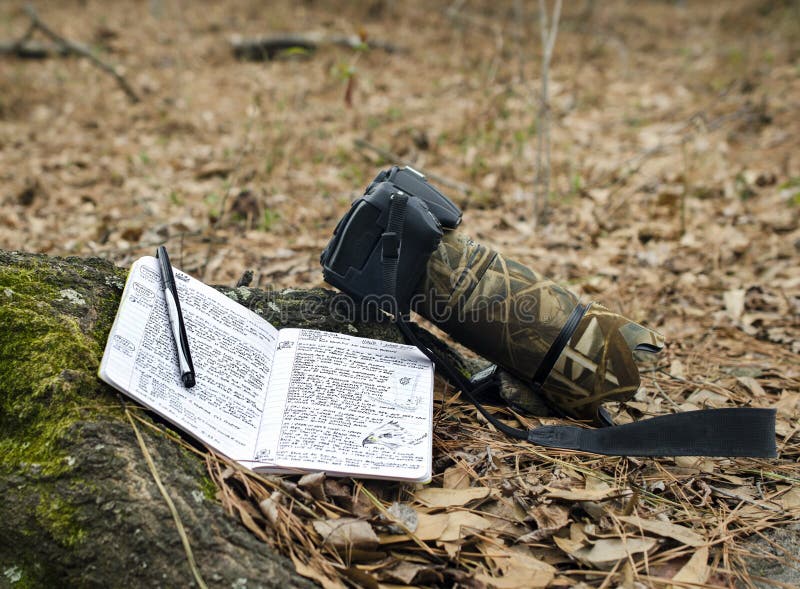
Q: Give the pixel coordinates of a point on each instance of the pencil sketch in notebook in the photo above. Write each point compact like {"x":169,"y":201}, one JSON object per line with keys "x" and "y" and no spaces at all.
{"x":392,"y":435}
{"x":402,"y":394}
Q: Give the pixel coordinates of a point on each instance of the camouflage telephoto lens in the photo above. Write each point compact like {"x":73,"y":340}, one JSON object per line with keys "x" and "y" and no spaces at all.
{"x":576,"y":356}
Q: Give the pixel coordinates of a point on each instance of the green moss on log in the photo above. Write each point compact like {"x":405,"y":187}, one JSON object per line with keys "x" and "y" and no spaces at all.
{"x":59,"y":517}
{"x":48,"y":360}
{"x":55,"y":316}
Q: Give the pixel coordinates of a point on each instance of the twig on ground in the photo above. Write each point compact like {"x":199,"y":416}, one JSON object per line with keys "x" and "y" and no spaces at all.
{"x":393,"y":157}
{"x":70,"y":47}
{"x":665,"y":396}
{"x":732,"y":495}
{"x":25,"y":49}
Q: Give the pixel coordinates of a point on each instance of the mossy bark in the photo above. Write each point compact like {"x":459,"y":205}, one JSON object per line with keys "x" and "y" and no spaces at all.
{"x":80,"y":507}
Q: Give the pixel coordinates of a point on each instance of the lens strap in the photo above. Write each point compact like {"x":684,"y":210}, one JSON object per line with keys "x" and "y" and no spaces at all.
{"x":552,"y":354}
{"x":747,"y":432}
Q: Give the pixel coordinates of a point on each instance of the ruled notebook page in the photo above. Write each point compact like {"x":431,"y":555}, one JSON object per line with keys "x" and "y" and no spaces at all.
{"x":348,"y":405}
{"x":231,"y":349}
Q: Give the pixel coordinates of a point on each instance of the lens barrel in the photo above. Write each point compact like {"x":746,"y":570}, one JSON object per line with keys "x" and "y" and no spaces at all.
{"x":517,"y":318}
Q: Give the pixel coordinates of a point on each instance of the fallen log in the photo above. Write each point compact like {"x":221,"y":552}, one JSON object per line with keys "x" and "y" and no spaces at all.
{"x":23,"y":49}
{"x":268,"y":47}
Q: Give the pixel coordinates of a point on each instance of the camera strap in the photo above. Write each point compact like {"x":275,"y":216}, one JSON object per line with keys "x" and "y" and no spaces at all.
{"x":746,"y":432}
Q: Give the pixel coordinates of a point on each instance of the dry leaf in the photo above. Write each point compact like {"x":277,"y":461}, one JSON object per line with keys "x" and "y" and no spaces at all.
{"x":695,"y":571}
{"x":751,"y":384}
{"x":595,"y":494}
{"x":314,"y":483}
{"x":409,"y":572}
{"x":429,"y":527}
{"x":549,"y":519}
{"x":706,"y":398}
{"x":316,"y":575}
{"x":734,"y":303}
{"x":347,"y":532}
{"x":244,"y":510}
{"x":576,"y":541}
{"x":461,"y":524}
{"x":434,"y":497}
{"x":451,"y":548}
{"x":605,"y":552}
{"x":568,"y":545}
{"x":731,"y":478}
{"x":676,"y":368}
{"x":518,"y":571}
{"x":269,"y":507}
{"x":456,"y":477}
{"x":791,"y":500}
{"x":697,"y":463}
{"x":594,"y":483}
{"x":212,"y":169}
{"x":788,"y":403}
{"x":359,"y":577}
{"x":669,"y":530}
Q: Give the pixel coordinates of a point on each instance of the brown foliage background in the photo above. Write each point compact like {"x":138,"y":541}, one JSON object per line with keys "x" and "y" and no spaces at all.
{"x":675,"y":196}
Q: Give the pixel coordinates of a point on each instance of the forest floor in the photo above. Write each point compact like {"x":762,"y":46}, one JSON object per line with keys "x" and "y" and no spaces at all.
{"x":675,"y":200}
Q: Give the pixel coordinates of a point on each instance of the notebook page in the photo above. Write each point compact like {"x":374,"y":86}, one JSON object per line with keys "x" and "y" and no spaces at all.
{"x":348,"y":405}
{"x":231,"y":350}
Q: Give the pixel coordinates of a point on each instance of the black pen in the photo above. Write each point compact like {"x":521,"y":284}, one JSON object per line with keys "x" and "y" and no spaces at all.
{"x":176,"y":319}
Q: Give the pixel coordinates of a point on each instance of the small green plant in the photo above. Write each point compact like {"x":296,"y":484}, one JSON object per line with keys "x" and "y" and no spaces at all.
{"x":212,"y":200}
{"x":576,"y":183}
{"x":268,"y":219}
{"x":343,"y":71}
{"x":271,"y":160}
{"x":394,"y":113}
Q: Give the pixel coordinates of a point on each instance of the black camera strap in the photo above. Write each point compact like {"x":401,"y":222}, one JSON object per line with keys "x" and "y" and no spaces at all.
{"x":747,"y":432}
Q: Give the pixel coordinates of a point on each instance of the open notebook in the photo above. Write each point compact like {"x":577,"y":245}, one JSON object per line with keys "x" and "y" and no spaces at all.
{"x":289,"y":400}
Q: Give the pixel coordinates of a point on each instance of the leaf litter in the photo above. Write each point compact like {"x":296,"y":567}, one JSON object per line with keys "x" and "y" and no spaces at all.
{"x":676,"y":196}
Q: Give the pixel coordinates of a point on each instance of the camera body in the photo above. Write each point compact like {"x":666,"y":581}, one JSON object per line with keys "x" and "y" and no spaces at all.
{"x":397,"y":243}
{"x":354,"y":260}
